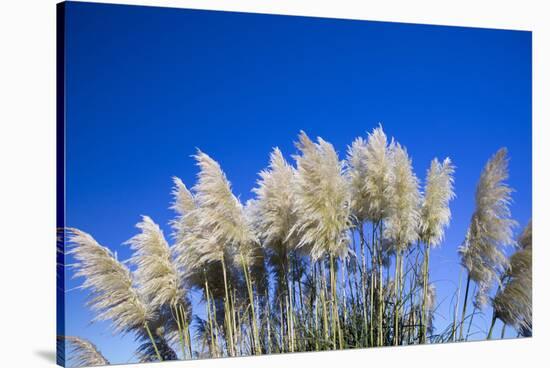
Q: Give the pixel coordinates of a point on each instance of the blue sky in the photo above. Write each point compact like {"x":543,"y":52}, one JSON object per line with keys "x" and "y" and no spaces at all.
{"x":147,"y":86}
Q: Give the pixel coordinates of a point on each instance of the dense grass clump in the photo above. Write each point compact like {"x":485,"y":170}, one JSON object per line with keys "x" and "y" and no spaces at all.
{"x":330,"y":254}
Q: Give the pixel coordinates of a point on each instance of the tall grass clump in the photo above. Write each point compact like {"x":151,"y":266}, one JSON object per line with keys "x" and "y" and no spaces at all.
{"x":158,"y":279}
{"x":513,"y":301}
{"x":322,"y":213}
{"x":490,"y":230}
{"x":435,"y":216}
{"x":327,"y":254}
{"x":273,"y":217}
{"x":370,"y":175}
{"x":113,"y":295}
{"x":222,"y":216}
{"x":402,"y":223}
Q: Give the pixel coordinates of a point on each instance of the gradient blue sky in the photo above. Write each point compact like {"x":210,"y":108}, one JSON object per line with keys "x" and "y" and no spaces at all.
{"x":147,"y":86}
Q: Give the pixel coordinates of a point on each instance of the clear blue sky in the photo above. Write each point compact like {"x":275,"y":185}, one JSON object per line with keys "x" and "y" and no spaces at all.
{"x":147,"y":86}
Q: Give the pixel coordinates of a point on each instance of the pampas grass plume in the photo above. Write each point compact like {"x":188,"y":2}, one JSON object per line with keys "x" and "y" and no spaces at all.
{"x":435,"y":212}
{"x":402,"y":222}
{"x":113,"y":296}
{"x":156,"y":275}
{"x":321,"y":199}
{"x":83,"y":353}
{"x":490,"y":227}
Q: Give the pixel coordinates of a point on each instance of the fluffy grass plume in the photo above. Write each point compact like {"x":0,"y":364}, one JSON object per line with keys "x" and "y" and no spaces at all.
{"x":187,"y":250}
{"x":83,"y":353}
{"x":253,"y":250}
{"x":357,"y":176}
{"x":183,"y":205}
{"x":402,"y":222}
{"x":221,"y":213}
{"x":438,"y":192}
{"x":435,"y":215}
{"x":321,"y":199}
{"x":275,"y":197}
{"x":273,"y":216}
{"x":490,"y":227}
{"x":378,"y":175}
{"x":156,"y":275}
{"x":113,"y":296}
{"x":513,"y":304}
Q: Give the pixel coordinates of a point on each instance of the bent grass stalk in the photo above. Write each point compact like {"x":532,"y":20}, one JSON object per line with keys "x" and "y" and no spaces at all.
{"x":228,"y":311}
{"x":455,"y":314}
{"x":425,"y":280}
{"x":255,"y":334}
{"x":175,"y":309}
{"x":186,"y":331}
{"x":464,"y":306}
{"x":146,"y":326}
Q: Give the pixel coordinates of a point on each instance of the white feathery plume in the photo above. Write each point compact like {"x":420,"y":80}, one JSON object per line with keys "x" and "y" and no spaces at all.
{"x":187,"y":250}
{"x":275,"y":198}
{"x":321,"y":199}
{"x":402,"y":222}
{"x":183,"y":199}
{"x":156,"y":275}
{"x":252,"y":251}
{"x":490,"y":227}
{"x":221,"y":213}
{"x":435,"y":212}
{"x":357,"y":175}
{"x":513,"y":304}
{"x":82,"y":353}
{"x":183,"y":204}
{"x":110,"y":282}
{"x":273,"y":215}
{"x":378,"y":176}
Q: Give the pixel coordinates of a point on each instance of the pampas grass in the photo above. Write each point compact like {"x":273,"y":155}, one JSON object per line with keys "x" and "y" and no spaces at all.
{"x":274,"y":212}
{"x":156,"y":275}
{"x":358,"y":174}
{"x":222,"y":216}
{"x":435,"y":211}
{"x":328,"y":254}
{"x":404,"y":201}
{"x":490,"y":230}
{"x":321,"y":200}
{"x":513,"y":303}
{"x":403,"y":218}
{"x":378,"y":175}
{"x":82,"y":353}
{"x":188,"y":252}
{"x":273,"y":217}
{"x":322,"y":210}
{"x":435,"y":216}
{"x":183,"y":204}
{"x":113,"y":295}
